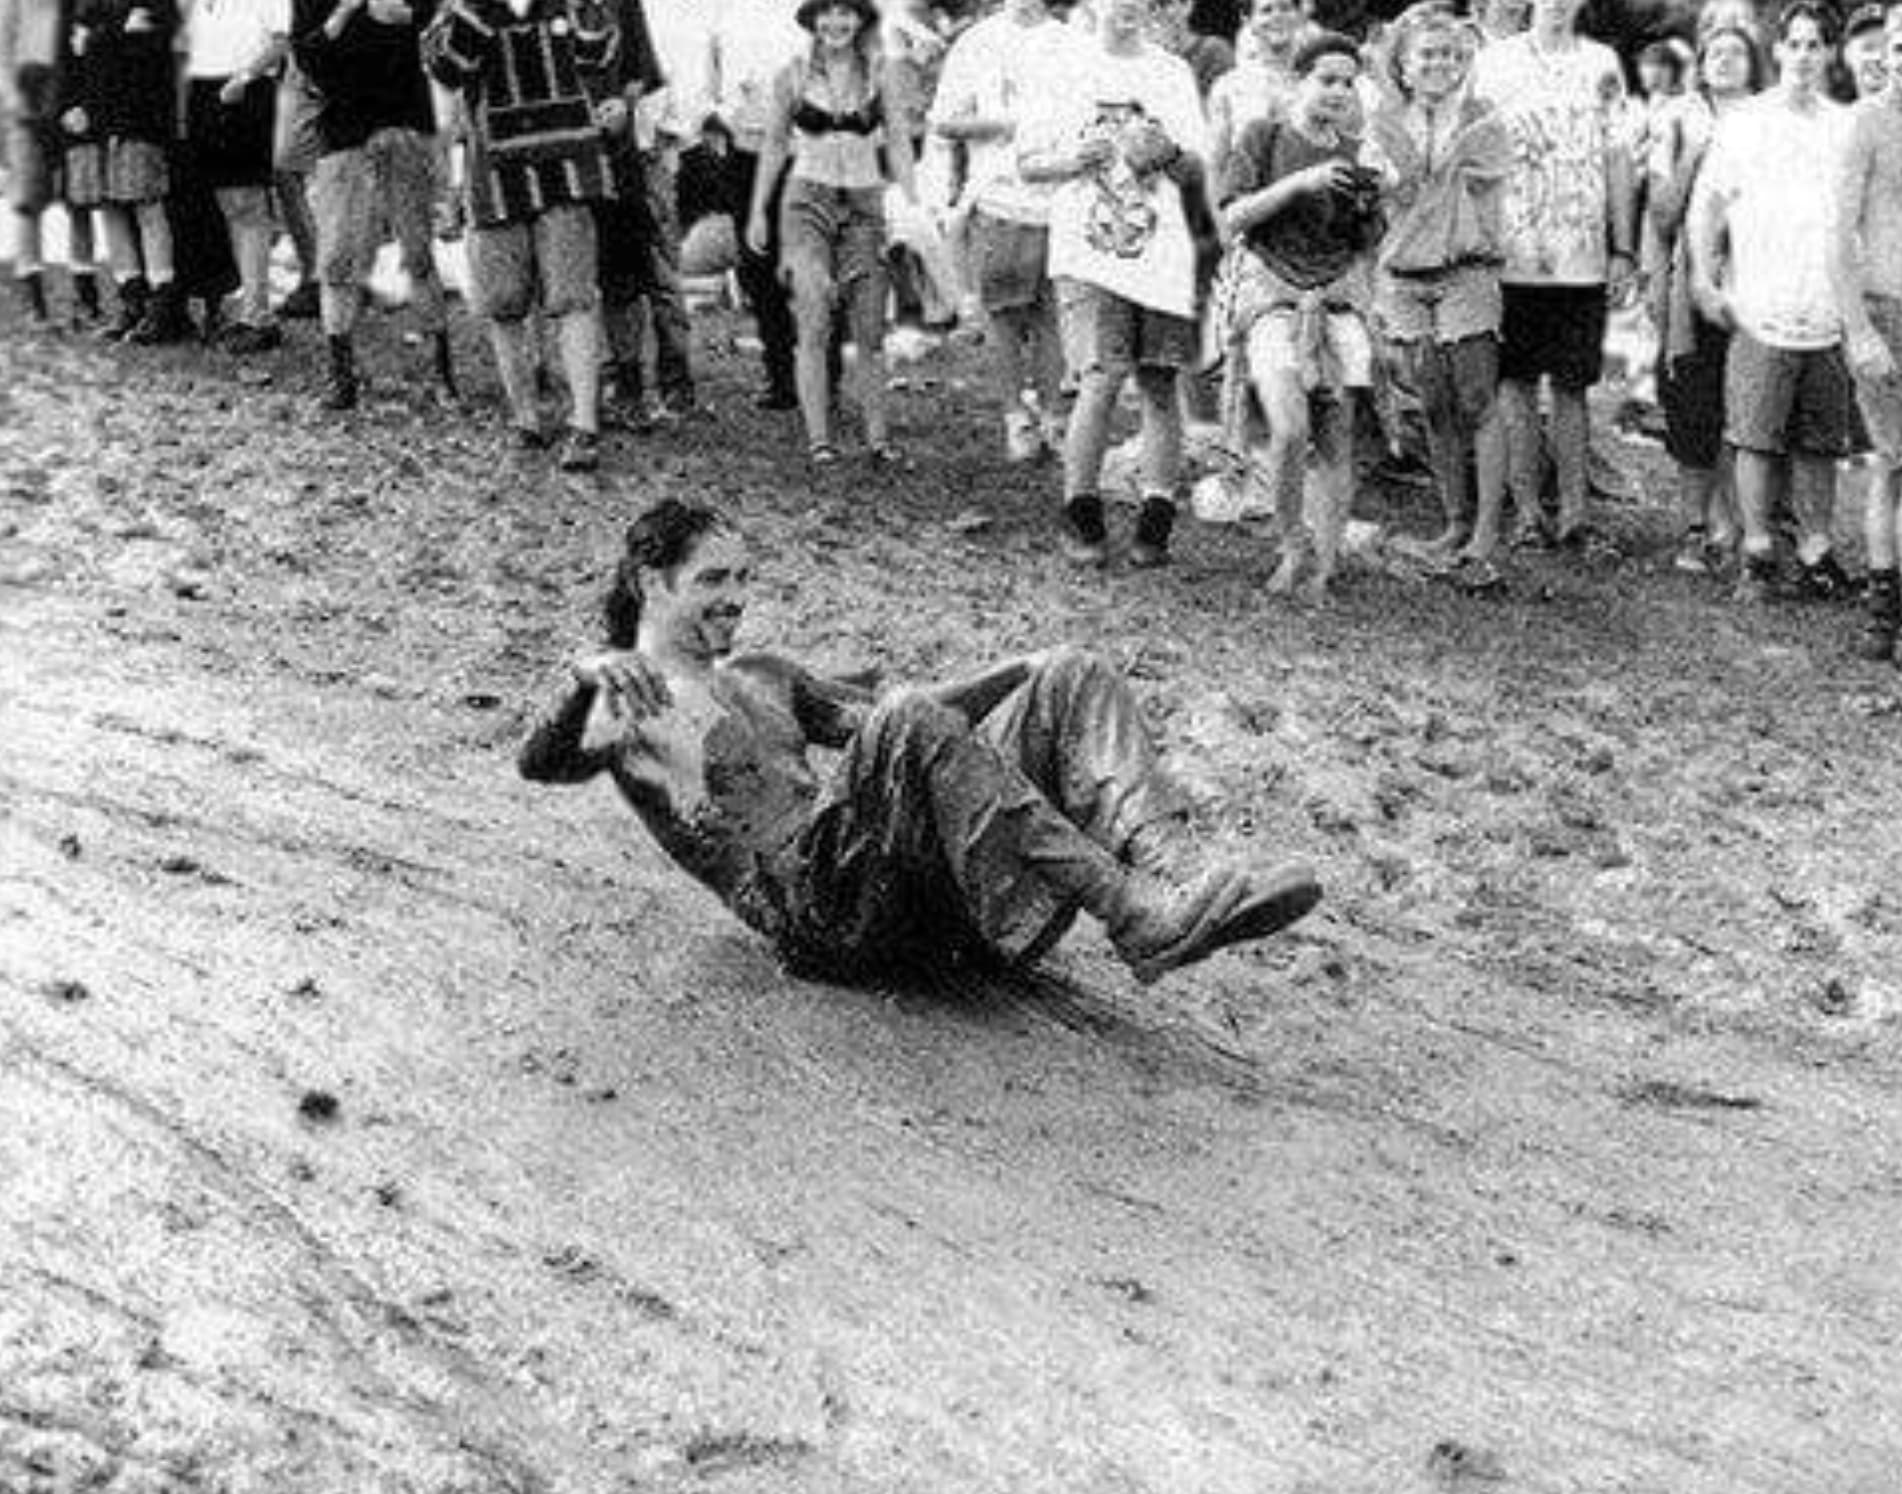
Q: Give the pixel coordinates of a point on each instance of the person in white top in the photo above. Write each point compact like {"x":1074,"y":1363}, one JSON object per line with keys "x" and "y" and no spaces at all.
{"x":1765,"y":193}
{"x":1262,"y":81}
{"x":233,"y":49}
{"x":1121,"y":143}
{"x":1570,"y":237}
{"x":992,"y":75}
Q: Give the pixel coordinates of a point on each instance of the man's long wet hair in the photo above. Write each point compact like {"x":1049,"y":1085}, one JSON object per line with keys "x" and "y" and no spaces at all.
{"x":658,"y":540}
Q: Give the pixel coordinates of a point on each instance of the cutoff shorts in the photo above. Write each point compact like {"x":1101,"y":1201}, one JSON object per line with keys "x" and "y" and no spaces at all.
{"x":548,"y":260}
{"x":83,"y":183}
{"x":1553,"y":329}
{"x":1009,"y":262}
{"x":1448,"y":305}
{"x":1104,"y":333}
{"x":137,"y":171}
{"x":1882,"y":402}
{"x":830,"y":238}
{"x":387,"y":182}
{"x":1787,"y":401}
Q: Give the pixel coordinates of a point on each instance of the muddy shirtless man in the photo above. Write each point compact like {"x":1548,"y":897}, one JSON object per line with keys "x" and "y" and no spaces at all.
{"x":975,"y":819}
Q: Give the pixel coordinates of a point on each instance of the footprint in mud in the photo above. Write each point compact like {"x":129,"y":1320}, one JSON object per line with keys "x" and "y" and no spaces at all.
{"x":1668,"y":1094}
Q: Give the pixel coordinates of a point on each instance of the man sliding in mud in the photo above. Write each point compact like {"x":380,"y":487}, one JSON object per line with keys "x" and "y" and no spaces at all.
{"x":972,"y":819}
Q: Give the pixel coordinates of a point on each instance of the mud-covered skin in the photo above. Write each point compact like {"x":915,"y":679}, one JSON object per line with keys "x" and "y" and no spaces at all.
{"x":720,"y":776}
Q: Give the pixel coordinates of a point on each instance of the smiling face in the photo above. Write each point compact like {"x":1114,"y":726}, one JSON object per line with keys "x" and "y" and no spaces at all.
{"x":1433,"y":61}
{"x":1326,"y":93}
{"x":694,"y":609}
{"x":1864,"y":56}
{"x":1726,"y":65}
{"x":1123,"y":20}
{"x":1277,"y":23}
{"x":836,"y":27}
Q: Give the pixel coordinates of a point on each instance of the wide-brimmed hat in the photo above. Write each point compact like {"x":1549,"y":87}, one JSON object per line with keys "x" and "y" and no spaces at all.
{"x":808,"y":11}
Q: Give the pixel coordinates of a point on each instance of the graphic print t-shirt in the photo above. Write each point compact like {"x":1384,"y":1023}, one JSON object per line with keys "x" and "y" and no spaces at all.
{"x":1562,"y":109}
{"x":1109,"y":227}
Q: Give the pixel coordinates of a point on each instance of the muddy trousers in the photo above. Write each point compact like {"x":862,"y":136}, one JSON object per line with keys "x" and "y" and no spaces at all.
{"x":938,"y":838}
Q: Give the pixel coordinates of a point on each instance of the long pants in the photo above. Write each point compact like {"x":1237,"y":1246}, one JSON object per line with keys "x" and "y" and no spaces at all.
{"x":936,"y":838}
{"x":759,"y":278}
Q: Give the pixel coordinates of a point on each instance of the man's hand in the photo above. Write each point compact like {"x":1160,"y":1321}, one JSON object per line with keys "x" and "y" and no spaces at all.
{"x":758,"y":234}
{"x":138,"y":21}
{"x":234,"y":88}
{"x":81,"y":39}
{"x":1092,"y":154}
{"x":634,"y":688}
{"x":1870,"y":358}
{"x":1326,"y":176}
{"x":612,"y":115}
{"x":73,"y":121}
{"x":1148,"y":149}
{"x":1622,"y":283}
{"x":390,"y":12}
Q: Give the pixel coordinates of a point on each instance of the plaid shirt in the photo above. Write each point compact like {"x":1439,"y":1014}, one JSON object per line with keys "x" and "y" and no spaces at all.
{"x":528,"y":82}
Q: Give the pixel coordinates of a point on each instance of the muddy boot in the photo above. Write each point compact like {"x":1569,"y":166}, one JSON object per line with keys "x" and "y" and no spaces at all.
{"x":1155,"y":522}
{"x":85,"y":313}
{"x":1883,"y":620}
{"x":31,"y":289}
{"x":134,"y":297}
{"x":341,"y":388}
{"x":1084,"y":535}
{"x":165,"y":321}
{"x":445,"y":366}
{"x":1162,"y":927}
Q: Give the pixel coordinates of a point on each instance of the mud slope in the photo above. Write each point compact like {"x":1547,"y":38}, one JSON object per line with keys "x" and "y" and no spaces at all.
{"x":370,"y":1120}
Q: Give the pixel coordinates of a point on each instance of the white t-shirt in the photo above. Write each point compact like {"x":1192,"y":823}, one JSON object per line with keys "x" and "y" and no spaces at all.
{"x":1563,"y":109}
{"x":1109,"y":227}
{"x":1001,"y":69}
{"x":224,"y":37}
{"x":1771,"y":168}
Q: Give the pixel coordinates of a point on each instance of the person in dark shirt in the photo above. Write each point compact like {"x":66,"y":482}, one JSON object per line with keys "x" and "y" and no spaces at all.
{"x":376,"y":166}
{"x":969,"y":820}
{"x":1308,"y":217}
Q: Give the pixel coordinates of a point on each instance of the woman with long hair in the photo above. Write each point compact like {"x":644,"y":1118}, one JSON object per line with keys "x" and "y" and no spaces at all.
{"x":1693,"y":348}
{"x":837,"y":117}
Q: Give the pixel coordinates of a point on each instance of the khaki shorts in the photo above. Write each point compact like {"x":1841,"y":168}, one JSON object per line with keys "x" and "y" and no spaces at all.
{"x":84,"y":183}
{"x":1882,"y":402}
{"x":548,"y":261}
{"x":831,"y":239}
{"x":136,"y":172}
{"x":386,"y":184}
{"x":1787,"y":401}
{"x":1450,"y":306}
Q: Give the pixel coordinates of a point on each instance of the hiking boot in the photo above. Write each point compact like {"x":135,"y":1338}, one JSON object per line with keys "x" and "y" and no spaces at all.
{"x":1163,"y":928}
{"x":302,"y":304}
{"x":1084,"y":539}
{"x":1154,"y":523}
{"x":580,"y":451}
{"x":1883,"y":619}
{"x":134,"y":297}
{"x":1825,"y":580}
{"x":31,"y":289}
{"x":85,"y":312}
{"x":1693,"y":557}
{"x":342,"y":388}
{"x":163,"y":320}
{"x":1757,"y":581}
{"x":248,"y":339}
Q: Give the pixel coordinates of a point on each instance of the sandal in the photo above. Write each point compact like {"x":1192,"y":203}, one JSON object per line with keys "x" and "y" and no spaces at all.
{"x":822,"y":454}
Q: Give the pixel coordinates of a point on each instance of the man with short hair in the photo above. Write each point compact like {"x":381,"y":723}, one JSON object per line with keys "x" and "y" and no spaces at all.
{"x":1765,"y":190}
{"x":992,"y":78}
{"x":1863,"y":48}
{"x":1570,"y":238}
{"x":1866,"y":244}
{"x":1121,"y":143}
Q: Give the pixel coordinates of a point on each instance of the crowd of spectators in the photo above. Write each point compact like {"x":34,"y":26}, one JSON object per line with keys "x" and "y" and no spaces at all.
{"x":1295,"y":234}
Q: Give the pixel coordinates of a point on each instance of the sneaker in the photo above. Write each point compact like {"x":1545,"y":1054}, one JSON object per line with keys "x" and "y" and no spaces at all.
{"x":1165,"y":928}
{"x":1692,"y":558}
{"x":302,"y":304}
{"x":248,"y":339}
{"x":1757,"y":581}
{"x":1021,"y":441}
{"x":1084,"y":538}
{"x":580,"y":451}
{"x":1825,"y":580}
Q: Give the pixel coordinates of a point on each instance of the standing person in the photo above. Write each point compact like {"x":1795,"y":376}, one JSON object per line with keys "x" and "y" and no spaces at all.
{"x":969,"y":821}
{"x":1570,"y":236}
{"x":528,"y":72}
{"x":1308,"y":220}
{"x":232,"y":52}
{"x":32,"y":47}
{"x":1765,"y":188}
{"x":135,"y":111}
{"x":375,"y":169}
{"x":1866,"y":259}
{"x":293,"y":161}
{"x":752,"y":41}
{"x":82,"y":173}
{"x":830,"y":127}
{"x":1443,"y":155}
{"x":1209,"y":57}
{"x":1864,"y":48}
{"x":1694,"y":348}
{"x":1121,"y":143}
{"x":994,"y":73}
{"x":1262,"y":81}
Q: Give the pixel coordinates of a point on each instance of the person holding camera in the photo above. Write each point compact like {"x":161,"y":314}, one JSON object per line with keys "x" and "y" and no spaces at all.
{"x":1309,"y":218}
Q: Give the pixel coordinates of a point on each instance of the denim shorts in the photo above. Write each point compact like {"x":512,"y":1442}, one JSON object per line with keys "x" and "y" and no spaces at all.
{"x":1787,"y":401}
{"x":1104,"y":333}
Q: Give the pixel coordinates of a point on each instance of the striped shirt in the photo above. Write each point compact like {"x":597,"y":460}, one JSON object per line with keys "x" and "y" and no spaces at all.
{"x":528,"y":82}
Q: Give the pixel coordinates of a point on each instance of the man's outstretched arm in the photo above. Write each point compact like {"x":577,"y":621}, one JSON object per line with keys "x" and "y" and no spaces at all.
{"x":976,"y":696}
{"x":556,"y":750}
